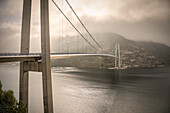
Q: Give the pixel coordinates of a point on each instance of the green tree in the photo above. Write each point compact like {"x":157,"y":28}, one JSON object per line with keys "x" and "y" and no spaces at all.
{"x":8,"y":103}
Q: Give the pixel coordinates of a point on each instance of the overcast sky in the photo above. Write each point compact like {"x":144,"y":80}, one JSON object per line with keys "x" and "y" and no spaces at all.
{"x":146,"y":20}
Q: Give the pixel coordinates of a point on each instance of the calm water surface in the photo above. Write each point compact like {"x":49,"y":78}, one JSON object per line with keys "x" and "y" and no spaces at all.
{"x":80,"y":90}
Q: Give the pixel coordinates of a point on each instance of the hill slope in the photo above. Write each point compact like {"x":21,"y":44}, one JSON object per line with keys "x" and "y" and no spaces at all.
{"x":135,"y":53}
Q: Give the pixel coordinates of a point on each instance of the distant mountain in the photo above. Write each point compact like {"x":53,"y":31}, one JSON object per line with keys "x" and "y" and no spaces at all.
{"x":134,"y":53}
{"x":160,"y":51}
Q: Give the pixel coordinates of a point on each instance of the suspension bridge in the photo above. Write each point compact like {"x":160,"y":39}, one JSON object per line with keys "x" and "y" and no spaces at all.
{"x":40,"y":62}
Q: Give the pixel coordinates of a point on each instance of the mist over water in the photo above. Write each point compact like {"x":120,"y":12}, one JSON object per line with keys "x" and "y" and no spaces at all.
{"x":86,"y":90}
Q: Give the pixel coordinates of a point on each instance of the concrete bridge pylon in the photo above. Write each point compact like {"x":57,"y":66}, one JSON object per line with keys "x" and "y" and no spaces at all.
{"x":43,"y":66}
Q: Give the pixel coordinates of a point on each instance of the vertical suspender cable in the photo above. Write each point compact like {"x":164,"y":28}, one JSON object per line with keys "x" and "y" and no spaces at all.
{"x":83,"y":24}
{"x":59,"y":35}
{"x":62,"y":28}
{"x":73,"y":25}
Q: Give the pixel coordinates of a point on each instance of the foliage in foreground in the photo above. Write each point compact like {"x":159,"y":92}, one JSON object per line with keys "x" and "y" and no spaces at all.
{"x":8,"y":103}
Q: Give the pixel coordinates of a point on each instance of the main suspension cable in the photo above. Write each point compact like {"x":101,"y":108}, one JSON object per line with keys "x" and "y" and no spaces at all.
{"x":73,"y":25}
{"x":83,"y":24}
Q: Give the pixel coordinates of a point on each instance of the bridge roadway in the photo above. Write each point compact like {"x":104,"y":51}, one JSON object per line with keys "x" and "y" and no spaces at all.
{"x":15,"y":57}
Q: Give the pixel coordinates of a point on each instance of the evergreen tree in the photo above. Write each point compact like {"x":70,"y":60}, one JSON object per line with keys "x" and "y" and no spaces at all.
{"x":8,"y":103}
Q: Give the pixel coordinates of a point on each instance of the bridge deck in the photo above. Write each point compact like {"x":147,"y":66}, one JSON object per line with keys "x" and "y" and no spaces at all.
{"x":19,"y":58}
{"x":37,"y":56}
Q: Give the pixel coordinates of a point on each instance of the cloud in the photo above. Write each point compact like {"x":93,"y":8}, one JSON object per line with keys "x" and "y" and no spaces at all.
{"x":148,"y":30}
{"x":9,"y":38}
{"x":10,"y":11}
{"x":144,"y":9}
{"x":134,"y":19}
{"x":132,"y":10}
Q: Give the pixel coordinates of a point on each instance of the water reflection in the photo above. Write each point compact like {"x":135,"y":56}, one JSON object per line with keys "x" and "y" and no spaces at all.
{"x":80,"y":90}
{"x":85,"y":91}
{"x":113,"y":91}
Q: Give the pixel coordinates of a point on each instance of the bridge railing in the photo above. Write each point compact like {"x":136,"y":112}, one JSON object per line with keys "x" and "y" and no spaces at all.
{"x":17,"y":54}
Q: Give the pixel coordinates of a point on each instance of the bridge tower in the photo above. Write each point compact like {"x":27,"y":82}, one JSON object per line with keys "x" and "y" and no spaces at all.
{"x":25,"y":41}
{"x":117,"y":56}
{"x":44,"y":65}
{"x":119,"y":62}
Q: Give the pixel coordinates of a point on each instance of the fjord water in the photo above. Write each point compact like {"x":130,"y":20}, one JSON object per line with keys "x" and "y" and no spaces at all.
{"x":87,"y":90}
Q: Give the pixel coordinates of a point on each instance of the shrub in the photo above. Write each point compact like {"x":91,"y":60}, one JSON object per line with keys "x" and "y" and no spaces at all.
{"x":8,"y":103}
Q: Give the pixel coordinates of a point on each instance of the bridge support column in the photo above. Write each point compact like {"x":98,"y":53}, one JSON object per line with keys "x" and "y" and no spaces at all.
{"x":116,"y":55}
{"x":25,"y":38}
{"x":119,"y":63}
{"x":45,"y":50}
